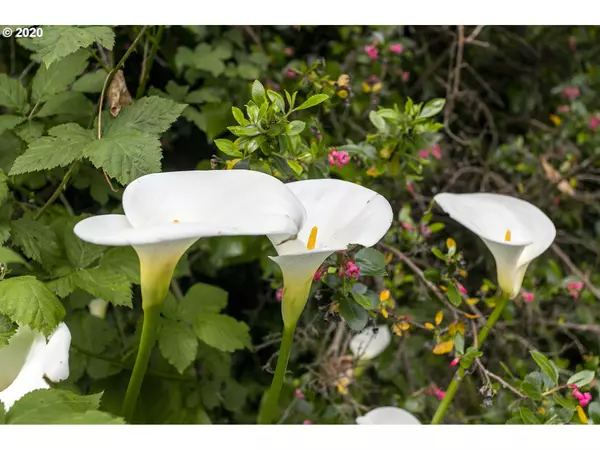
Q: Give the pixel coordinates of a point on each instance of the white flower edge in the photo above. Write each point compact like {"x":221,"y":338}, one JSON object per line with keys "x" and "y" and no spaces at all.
{"x":388,"y":415}
{"x":28,"y":358}
{"x":370,"y":342}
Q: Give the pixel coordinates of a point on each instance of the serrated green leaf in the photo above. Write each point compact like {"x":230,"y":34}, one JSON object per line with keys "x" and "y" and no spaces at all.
{"x":28,"y":301}
{"x":546,"y":365}
{"x":67,"y":143}
{"x":582,"y":378}
{"x":149,"y":115}
{"x":312,"y":101}
{"x":8,"y":256}
{"x":50,"y":81}
{"x":79,"y":252}
{"x":106,"y":284}
{"x":91,"y":333}
{"x":453,"y":295}
{"x":63,"y":285}
{"x":7,"y":330}
{"x":45,"y":405}
{"x":123,"y":260}
{"x":9,"y":121}
{"x":222,"y":332}
{"x":228,"y":147}
{"x":30,"y":131}
{"x":370,"y":262}
{"x":202,"y":298}
{"x":126,"y":156}
{"x":12,"y":93}
{"x":177,"y":343}
{"x":60,"y":41}
{"x":38,"y":241}
{"x":90,"y":83}
{"x":69,"y":103}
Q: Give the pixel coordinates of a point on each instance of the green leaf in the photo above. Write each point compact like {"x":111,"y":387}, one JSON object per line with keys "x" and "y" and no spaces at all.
{"x":222,"y":332}
{"x":86,"y":418}
{"x":228,"y":147}
{"x":312,"y":101}
{"x":362,"y":300}
{"x":453,"y":295}
{"x":126,"y":156}
{"x":276,"y":98}
{"x":378,"y":121}
{"x":8,"y":256}
{"x":528,"y":416}
{"x":38,"y":241}
{"x":201,"y":298}
{"x":568,"y":403}
{"x":177,"y":343}
{"x":123,"y":260}
{"x":582,"y":378}
{"x":67,"y":103}
{"x":432,"y":107}
{"x":60,"y":41}
{"x":258,"y":93}
{"x":370,"y":262}
{"x":150,"y":115}
{"x":46,"y":405}
{"x":355,"y":316}
{"x":67,"y":143}
{"x":438,"y":253}
{"x":28,"y":301}
{"x":50,"y":81}
{"x":297,"y":168}
{"x":12,"y":93}
{"x":295,"y":127}
{"x":90,"y":83}
{"x":531,"y":391}
{"x":91,"y":333}
{"x":7,"y":330}
{"x":110,"y":286}
{"x":30,"y":131}
{"x":432,"y":275}
{"x":238,"y":115}
{"x":459,"y":343}
{"x":4,"y":191}
{"x":79,"y":252}
{"x":546,"y":365}
{"x":8,"y":122}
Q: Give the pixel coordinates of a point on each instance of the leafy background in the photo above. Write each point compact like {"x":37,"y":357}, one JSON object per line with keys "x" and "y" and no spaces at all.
{"x":499,"y":105}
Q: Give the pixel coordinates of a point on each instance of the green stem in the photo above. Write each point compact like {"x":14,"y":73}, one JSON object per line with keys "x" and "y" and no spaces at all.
{"x":460,"y":373}
{"x":269,"y":407}
{"x":149,"y":62}
{"x":57,"y":192}
{"x":149,"y":329}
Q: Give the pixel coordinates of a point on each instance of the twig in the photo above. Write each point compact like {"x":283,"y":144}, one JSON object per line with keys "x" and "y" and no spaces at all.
{"x":504,"y":383}
{"x":146,"y":67}
{"x":248,"y":29}
{"x":57,"y":192}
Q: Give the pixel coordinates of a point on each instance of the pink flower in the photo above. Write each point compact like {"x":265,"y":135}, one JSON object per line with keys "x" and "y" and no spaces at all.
{"x":563,"y":108}
{"x":461,"y":288}
{"x":332,"y":157}
{"x":594,"y":122}
{"x":439,"y":394}
{"x":436,"y":152}
{"x":405,"y":76}
{"x":410,"y":188}
{"x":570,"y":93}
{"x":584,"y":398}
{"x":307,"y":422}
{"x":343,"y":158}
{"x":372,"y":51}
{"x":288,"y":51}
{"x":290,"y":73}
{"x":319,"y":274}
{"x":425,"y":231}
{"x":408,"y":226}
{"x":454,"y":361}
{"x":527,"y":296}
{"x":338,"y":159}
{"x":574,"y":288}
{"x":352,"y":270}
{"x":423,"y":154}
{"x":299,"y":393}
{"x":396,"y":48}
{"x":279,"y":294}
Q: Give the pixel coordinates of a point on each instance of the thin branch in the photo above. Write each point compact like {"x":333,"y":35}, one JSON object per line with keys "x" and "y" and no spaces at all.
{"x":504,"y":383}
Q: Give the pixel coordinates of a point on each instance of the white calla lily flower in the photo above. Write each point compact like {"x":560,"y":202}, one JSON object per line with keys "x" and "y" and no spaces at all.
{"x":370,"y":342}
{"x":338,"y":214}
{"x":515,"y":231}
{"x":28,"y":358}
{"x":388,"y":415}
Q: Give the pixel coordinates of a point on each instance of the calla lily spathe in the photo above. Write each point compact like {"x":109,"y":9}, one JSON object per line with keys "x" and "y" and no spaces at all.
{"x":370,"y":342}
{"x":165,"y":213}
{"x":515,"y":231}
{"x":338,"y":214}
{"x":28,"y":358}
{"x":388,"y":415}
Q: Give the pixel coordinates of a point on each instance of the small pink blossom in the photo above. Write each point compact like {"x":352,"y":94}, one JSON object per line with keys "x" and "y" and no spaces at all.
{"x":439,"y":393}
{"x":423,"y":154}
{"x":435,"y":151}
{"x":563,"y":108}
{"x":319,"y":274}
{"x":351,"y":270}
{"x":290,"y":73}
{"x":279,"y":294}
{"x":425,"y":231}
{"x":584,"y":398}
{"x":338,"y":159}
{"x":570,"y":93}
{"x":574,"y":287}
{"x":527,"y":296}
{"x":343,"y":158}
{"x":461,"y":288}
{"x":372,"y":51}
{"x":299,"y":393}
{"x":396,"y":48}
{"x":405,"y":76}
{"x":594,"y":122}
{"x":288,"y":51}
{"x":410,"y":188}
{"x":455,"y":361}
{"x":307,"y":422}
{"x":408,"y":226}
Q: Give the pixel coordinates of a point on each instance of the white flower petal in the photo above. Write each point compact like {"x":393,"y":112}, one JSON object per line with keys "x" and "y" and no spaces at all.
{"x":22,"y":365}
{"x":370,"y":342}
{"x":98,"y":308}
{"x":388,"y":415}
{"x":343,"y":212}
{"x":56,"y":365}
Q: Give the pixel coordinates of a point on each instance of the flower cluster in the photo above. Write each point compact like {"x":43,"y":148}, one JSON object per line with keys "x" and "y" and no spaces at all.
{"x":574,"y":287}
{"x":435,"y":151}
{"x":583,"y":398}
{"x":338,"y":159}
{"x":351,"y":270}
{"x":571,"y":93}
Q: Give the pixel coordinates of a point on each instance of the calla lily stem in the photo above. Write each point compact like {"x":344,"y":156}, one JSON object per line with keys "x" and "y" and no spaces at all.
{"x":460,"y":373}
{"x":149,"y":329}
{"x":269,"y":407}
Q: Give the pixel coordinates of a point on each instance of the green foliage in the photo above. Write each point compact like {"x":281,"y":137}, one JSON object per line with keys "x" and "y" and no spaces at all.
{"x":222,"y":332}
{"x":370,"y":262}
{"x":12,"y":94}
{"x":177,"y":343}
